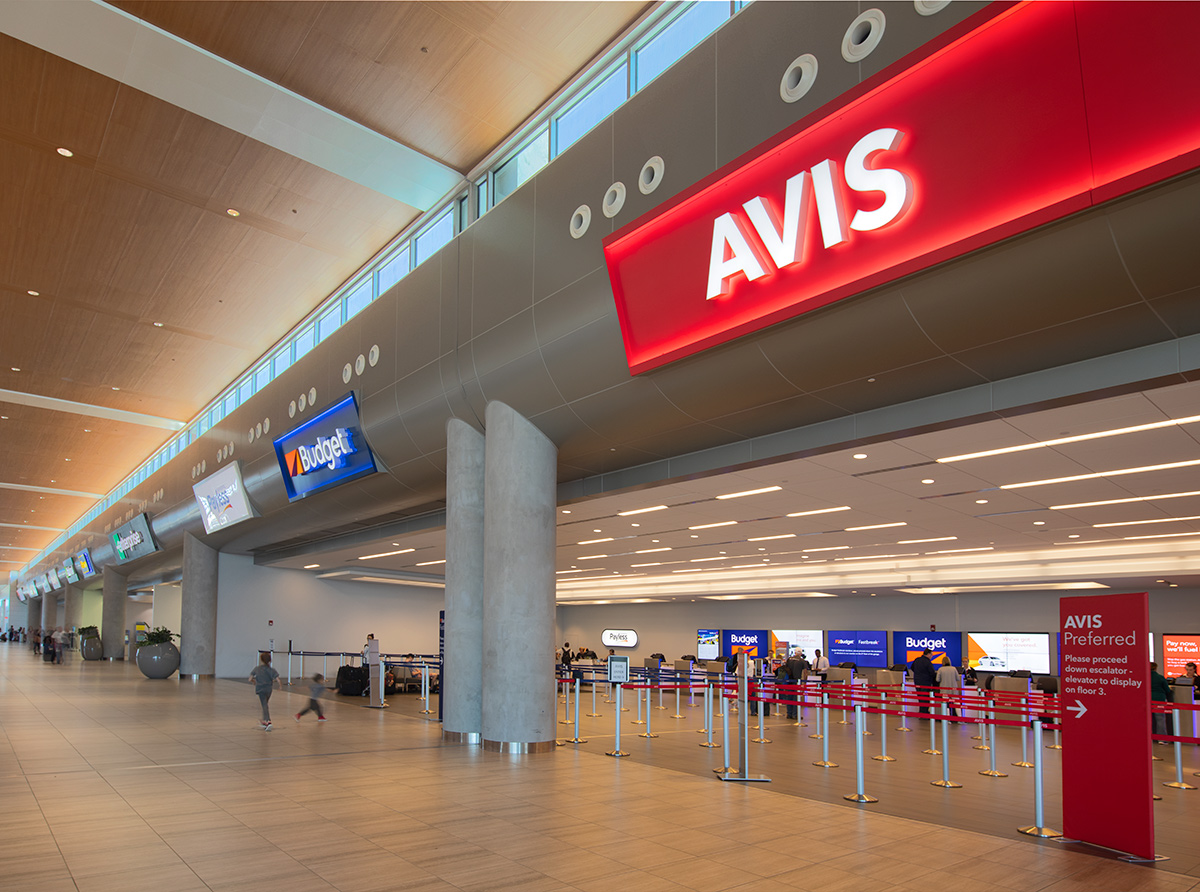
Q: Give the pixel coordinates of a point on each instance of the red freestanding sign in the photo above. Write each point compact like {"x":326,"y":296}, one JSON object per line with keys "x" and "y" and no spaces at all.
{"x":1106,"y":759}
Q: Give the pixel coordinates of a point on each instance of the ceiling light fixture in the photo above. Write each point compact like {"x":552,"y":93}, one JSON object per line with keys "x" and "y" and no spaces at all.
{"x":1041,"y":444}
{"x":830,"y":548}
{"x":1168,"y":495}
{"x":431,"y":563}
{"x":66,"y":153}
{"x":15,"y":369}
{"x":233,"y":212}
{"x":651,"y":550}
{"x":1117,"y":472}
{"x":765,"y":538}
{"x":594,"y":541}
{"x":709,"y":526}
{"x":157,"y":324}
{"x":981,"y":501}
{"x":860,"y":455}
{"x":311,"y":566}
{"x":928,"y":480}
{"x":653,"y":564}
{"x":819,"y":511}
{"x":586,"y":557}
{"x":1001,"y":587}
{"x":1130,"y":523}
{"x":920,"y":541}
{"x":750,"y":492}
{"x":369,"y":557}
{"x":960,"y":550}
{"x":876,"y":526}
{"x":641,"y":510}
{"x":116,"y":388}
{"x":1162,"y":536}
{"x":32,"y":293}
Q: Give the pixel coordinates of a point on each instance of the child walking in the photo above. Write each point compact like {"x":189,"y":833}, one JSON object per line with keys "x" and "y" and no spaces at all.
{"x":315,"y":689}
{"x":264,"y":677}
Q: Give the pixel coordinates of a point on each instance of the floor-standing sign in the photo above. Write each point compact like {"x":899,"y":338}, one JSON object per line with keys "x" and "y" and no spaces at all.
{"x":1106,"y":759}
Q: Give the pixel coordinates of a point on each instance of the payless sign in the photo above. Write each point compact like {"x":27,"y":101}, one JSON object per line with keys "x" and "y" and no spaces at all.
{"x":1106,"y":759}
{"x":913,"y":169}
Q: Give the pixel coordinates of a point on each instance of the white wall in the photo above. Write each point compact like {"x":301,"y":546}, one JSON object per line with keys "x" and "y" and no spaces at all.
{"x":670,"y":627}
{"x":92,"y":610}
{"x":315,"y":614}
{"x":139,"y":612}
{"x":167,"y":607}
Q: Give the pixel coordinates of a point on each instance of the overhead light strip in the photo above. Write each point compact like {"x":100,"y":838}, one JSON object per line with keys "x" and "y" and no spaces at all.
{"x":1168,"y":495}
{"x":750,"y":492}
{"x":819,"y":511}
{"x":1119,"y":472}
{"x":641,"y":511}
{"x":1062,"y":441}
{"x":371,"y":557}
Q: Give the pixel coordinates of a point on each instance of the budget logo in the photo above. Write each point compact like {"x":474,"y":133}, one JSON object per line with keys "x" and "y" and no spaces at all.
{"x":327,"y":452}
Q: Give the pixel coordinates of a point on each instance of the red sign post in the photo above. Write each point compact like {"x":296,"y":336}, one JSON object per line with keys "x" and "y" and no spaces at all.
{"x":1106,"y":759}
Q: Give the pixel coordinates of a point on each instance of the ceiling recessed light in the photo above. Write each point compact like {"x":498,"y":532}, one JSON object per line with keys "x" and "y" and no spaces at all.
{"x":750,"y":492}
{"x":642,"y":510}
{"x":311,"y":566}
{"x":565,"y":511}
{"x":158,"y":325}
{"x":1039,"y":523}
{"x":860,"y":455}
{"x":233,"y":212}
{"x":593,"y":541}
{"x":635,"y":524}
{"x":66,"y":153}
{"x":876,"y":526}
{"x":927,"y":480}
{"x":981,"y":501}
{"x":1073,"y":536}
{"x":819,"y":511}
{"x":709,"y":526}
{"x":66,"y":459}
{"x":116,"y":388}
{"x":32,"y":293}
{"x":369,"y":557}
{"x":3,"y":418}
{"x":15,"y":369}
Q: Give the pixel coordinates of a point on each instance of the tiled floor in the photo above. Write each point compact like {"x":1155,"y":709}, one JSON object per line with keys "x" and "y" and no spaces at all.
{"x":109,"y":781}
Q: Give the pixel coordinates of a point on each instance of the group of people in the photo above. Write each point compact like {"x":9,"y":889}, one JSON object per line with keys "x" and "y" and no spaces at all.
{"x":49,"y":643}
{"x":945,"y":679}
{"x":15,"y":635}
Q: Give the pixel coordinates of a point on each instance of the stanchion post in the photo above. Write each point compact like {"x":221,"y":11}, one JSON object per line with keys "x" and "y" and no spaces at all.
{"x":883,"y":753}
{"x":708,"y":729}
{"x":1024,"y":763}
{"x":617,"y":751}
{"x":817,"y":707}
{"x":639,"y":720}
{"x":678,"y":714}
{"x":577,"y":738}
{"x":990,"y":729}
{"x":983,"y":736}
{"x":859,"y":766}
{"x":904,"y":705}
{"x":648,"y":732}
{"x":825,"y":763}
{"x":1179,"y":783}
{"x":425,"y":690}
{"x":933,"y":750}
{"x":593,"y":714}
{"x":1039,"y":827}
{"x":1057,"y":745}
{"x":945,"y":781}
{"x":762,"y":731}
{"x":566,"y":719}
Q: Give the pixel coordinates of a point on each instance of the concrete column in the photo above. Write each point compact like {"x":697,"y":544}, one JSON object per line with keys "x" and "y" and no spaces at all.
{"x":198,"y":610}
{"x":33,"y":615}
{"x":73,"y":613}
{"x":112,"y":622}
{"x":462,"y":678}
{"x":518,"y":589}
{"x":49,"y":611}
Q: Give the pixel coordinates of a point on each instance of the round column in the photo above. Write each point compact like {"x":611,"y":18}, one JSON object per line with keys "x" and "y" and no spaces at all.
{"x":112,"y":616}
{"x":462,"y":678}
{"x":198,"y":610}
{"x":518,"y":589}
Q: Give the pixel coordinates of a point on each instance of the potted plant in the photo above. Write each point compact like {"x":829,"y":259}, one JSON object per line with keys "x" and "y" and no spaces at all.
{"x":90,"y":646}
{"x":157,"y":656}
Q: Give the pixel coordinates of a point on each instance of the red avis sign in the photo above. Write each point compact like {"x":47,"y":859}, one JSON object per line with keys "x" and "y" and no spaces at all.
{"x":1106,"y":758}
{"x":935,"y":157}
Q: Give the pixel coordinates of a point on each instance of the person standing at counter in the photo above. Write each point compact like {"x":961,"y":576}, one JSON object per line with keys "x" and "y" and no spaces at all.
{"x":925,"y":679}
{"x":820,"y":664}
{"x":949,"y":683}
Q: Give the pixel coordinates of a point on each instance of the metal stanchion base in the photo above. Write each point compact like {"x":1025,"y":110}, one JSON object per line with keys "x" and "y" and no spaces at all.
{"x":981,"y":746}
{"x":1179,"y":785}
{"x":977,"y":737}
{"x":868,"y":733}
{"x":706,"y":743}
{"x":884,"y":758}
{"x":638,"y":722}
{"x":676,"y":716}
{"x":904,"y":729}
{"x":760,"y":739}
{"x":1054,"y":746}
{"x":994,"y":772}
{"x":860,"y":797}
{"x":566,"y":722}
{"x":1021,"y":764}
{"x":932,"y":752}
{"x":659,"y":707}
{"x":732,"y":775}
{"x":624,"y":709}
{"x":1156,"y":758}
{"x":617,"y":753}
{"x":1040,"y":832}
{"x":817,"y":736}
{"x":594,"y":715}
{"x":648,"y":734}
{"x":824,"y":764}
{"x":1137,"y":859}
{"x":945,"y":783}
{"x":577,"y":740}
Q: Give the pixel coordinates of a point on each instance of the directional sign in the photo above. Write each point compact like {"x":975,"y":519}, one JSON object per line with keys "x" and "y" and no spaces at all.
{"x":1106,"y":767}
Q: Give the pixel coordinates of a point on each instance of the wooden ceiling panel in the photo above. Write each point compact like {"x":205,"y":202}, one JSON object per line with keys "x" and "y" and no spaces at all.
{"x":444,"y":45}
{"x":74,"y":106}
{"x":199,"y":155}
{"x":22,"y":68}
{"x":140,"y":133}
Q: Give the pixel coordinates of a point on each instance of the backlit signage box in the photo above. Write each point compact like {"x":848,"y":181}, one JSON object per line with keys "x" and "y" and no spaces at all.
{"x":755,"y":642}
{"x":133,"y":540}
{"x":885,"y":183}
{"x":52,"y":578}
{"x":1004,"y":652}
{"x":327,"y":450}
{"x":619,"y":638}
{"x":68,"y":574}
{"x":222,"y":498}
{"x":708,"y":644}
{"x":863,"y":649}
{"x":907,"y":646}
{"x":1178,"y":651}
{"x":785,"y":642}
{"x":83,"y":562}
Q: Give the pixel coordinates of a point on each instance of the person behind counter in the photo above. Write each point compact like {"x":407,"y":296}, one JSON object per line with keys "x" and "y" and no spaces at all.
{"x":1189,"y":675}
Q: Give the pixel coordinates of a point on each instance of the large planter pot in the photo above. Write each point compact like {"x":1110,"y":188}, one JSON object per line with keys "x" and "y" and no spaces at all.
{"x":91,"y":649}
{"x":158,"y":660}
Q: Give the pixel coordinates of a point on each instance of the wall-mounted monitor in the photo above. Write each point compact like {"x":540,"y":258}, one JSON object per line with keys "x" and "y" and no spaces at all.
{"x":708,"y":644}
{"x":222,"y":498}
{"x":68,"y":572}
{"x":755,"y":642}
{"x":1005,"y":651}
{"x":83,"y":563}
{"x":785,"y":642}
{"x":863,"y":649}
{"x":907,"y":646}
{"x":52,"y":578}
{"x":1178,"y":651}
{"x":327,"y":450}
{"x":133,"y":540}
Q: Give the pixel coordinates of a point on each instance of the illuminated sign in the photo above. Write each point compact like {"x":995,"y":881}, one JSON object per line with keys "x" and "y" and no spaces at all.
{"x":68,"y":571}
{"x":619,"y":638}
{"x":52,"y":578}
{"x":325,"y":451}
{"x":1006,"y":651}
{"x":83,"y":562}
{"x":907,"y":646}
{"x":133,"y":540}
{"x":888,"y":182}
{"x":222,"y":498}
{"x":863,"y":649}
{"x":1178,"y":651}
{"x":755,"y":642}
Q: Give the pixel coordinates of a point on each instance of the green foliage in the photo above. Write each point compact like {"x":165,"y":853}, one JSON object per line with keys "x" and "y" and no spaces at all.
{"x":160,"y":635}
{"x":88,"y":632}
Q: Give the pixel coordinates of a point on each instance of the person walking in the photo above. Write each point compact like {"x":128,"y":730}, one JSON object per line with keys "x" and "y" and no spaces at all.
{"x":264,"y":677}
{"x":315,"y":689}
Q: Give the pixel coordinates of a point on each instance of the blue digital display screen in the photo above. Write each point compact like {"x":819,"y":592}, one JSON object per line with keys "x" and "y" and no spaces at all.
{"x":863,"y":649}
{"x":327,"y":450}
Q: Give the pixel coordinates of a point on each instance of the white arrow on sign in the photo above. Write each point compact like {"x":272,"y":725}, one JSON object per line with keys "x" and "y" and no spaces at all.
{"x":1078,"y":708}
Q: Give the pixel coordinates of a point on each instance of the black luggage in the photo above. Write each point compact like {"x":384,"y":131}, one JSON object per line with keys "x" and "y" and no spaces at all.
{"x":48,"y":652}
{"x":352,"y":681}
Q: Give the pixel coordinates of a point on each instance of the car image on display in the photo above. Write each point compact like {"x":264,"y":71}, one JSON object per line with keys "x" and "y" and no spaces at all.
{"x":991,"y":663}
